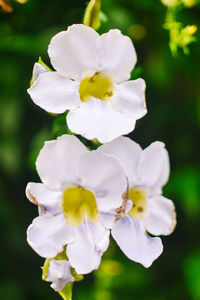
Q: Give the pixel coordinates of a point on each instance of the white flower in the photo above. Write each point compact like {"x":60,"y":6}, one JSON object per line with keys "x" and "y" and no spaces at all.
{"x":144,"y":208}
{"x":59,"y":273}
{"x":91,"y":82}
{"x":79,"y":187}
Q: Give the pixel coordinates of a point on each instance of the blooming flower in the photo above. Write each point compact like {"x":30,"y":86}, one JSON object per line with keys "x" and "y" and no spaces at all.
{"x":79,"y":187}
{"x":143,"y":208}
{"x":91,"y":81}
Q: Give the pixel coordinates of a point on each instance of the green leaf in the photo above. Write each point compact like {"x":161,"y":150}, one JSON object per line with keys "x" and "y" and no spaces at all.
{"x":66,"y":292}
{"x":92,"y":14}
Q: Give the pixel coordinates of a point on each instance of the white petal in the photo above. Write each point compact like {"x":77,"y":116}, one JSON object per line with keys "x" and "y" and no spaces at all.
{"x":128,"y":152}
{"x":85,"y":252}
{"x":38,"y":69}
{"x":105,"y":176}
{"x":107,"y":219}
{"x":59,"y":273}
{"x":164,"y":176}
{"x":135,"y":243}
{"x":40,"y":195}
{"x":100,"y":235}
{"x":97,"y":119}
{"x":71,"y":51}
{"x":116,"y":53}
{"x":130,"y":98}
{"x":47,"y":235}
{"x":54,"y":93}
{"x":161,"y":218}
{"x":153,"y":167}
{"x":56,"y":163}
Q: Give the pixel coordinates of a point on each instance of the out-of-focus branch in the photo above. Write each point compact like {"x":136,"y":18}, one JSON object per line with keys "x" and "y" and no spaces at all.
{"x":5,"y":6}
{"x":180,"y":36}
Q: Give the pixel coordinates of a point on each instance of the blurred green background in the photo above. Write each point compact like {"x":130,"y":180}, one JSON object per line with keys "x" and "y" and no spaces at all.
{"x":173,"y":101}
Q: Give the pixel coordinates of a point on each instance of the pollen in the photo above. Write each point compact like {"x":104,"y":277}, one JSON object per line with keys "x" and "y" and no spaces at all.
{"x":96,"y":85}
{"x":138,"y":196}
{"x":77,"y":204}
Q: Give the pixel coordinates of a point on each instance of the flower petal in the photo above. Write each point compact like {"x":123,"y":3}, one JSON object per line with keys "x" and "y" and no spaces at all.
{"x":161,"y":218}
{"x":71,"y":51}
{"x":107,"y":219}
{"x":47,"y":235}
{"x":116,"y":53}
{"x":54,"y":93}
{"x":97,"y":119}
{"x":100,"y":235}
{"x":40,"y":195}
{"x":38,"y":69}
{"x":59,"y":273}
{"x":153,"y":167}
{"x":128,"y":152}
{"x":56,"y":163}
{"x":105,"y":176}
{"x":135,"y":243}
{"x":85,"y":252}
{"x":130,"y":98}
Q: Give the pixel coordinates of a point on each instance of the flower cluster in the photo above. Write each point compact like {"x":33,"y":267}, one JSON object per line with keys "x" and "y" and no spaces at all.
{"x":86,"y":195}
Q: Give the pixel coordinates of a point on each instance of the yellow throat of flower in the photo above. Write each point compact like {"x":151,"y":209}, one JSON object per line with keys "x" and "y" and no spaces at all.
{"x":78,"y":203}
{"x":138,"y":196}
{"x":96,"y":84}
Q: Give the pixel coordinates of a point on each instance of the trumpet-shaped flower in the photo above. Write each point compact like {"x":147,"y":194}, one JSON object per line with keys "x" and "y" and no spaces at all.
{"x":144,"y":209}
{"x":78,"y":189}
{"x":91,"y":81}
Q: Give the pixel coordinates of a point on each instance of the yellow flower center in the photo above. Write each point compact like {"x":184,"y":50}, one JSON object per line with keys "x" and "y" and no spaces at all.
{"x":78,"y":203}
{"x":96,"y":84}
{"x":138,"y":196}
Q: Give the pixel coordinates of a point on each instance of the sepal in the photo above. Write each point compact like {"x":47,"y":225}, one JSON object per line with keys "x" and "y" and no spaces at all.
{"x":92,"y":14}
{"x":66,"y":292}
